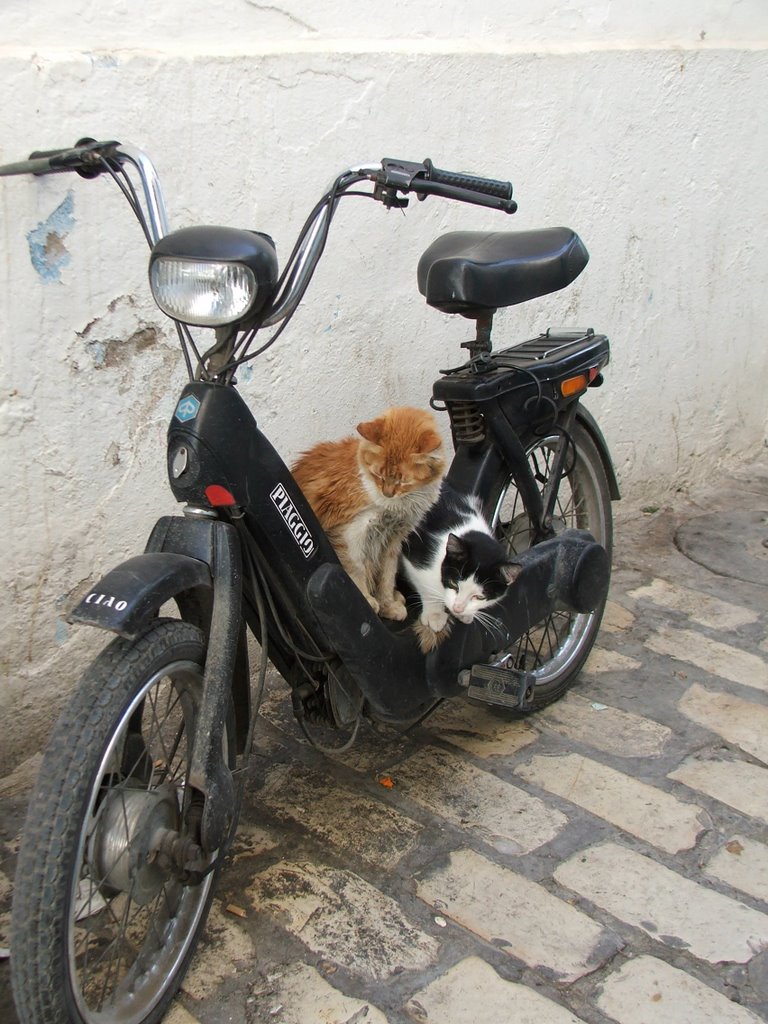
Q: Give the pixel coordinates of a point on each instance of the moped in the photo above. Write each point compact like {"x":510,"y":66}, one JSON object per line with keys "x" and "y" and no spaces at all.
{"x":138,"y":795}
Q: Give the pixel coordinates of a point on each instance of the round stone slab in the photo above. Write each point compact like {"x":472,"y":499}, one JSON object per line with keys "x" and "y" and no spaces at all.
{"x":731,"y":544}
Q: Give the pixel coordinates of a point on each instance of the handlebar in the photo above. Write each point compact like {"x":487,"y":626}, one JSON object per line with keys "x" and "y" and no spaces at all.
{"x":392,"y":180}
{"x":425,"y":179}
{"x":89,"y":159}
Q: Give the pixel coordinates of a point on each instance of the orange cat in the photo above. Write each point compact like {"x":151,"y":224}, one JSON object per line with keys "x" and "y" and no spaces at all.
{"x":369,"y":493}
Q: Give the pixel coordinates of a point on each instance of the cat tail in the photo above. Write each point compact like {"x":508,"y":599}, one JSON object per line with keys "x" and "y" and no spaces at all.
{"x":429,"y":639}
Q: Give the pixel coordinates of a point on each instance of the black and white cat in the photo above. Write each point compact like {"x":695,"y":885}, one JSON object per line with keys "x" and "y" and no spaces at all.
{"x":455,"y":565}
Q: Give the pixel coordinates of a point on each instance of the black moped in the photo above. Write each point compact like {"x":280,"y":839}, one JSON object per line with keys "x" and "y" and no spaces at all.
{"x":138,"y":793}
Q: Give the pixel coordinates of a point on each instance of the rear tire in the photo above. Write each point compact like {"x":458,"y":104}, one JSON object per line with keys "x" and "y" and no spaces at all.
{"x":555,"y":649}
{"x":102,"y":928}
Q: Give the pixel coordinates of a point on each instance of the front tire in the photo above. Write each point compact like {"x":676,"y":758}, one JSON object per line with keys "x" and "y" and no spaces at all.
{"x":103,"y":928}
{"x":555,"y":649}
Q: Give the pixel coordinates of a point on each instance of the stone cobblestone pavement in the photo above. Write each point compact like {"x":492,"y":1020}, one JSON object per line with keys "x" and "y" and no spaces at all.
{"x":603,"y":861}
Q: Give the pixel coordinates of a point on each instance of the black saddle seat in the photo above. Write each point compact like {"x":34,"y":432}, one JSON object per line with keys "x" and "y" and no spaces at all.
{"x":473,"y":272}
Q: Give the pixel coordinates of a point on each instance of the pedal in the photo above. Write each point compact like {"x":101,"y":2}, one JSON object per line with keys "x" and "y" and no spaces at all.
{"x":507,"y":687}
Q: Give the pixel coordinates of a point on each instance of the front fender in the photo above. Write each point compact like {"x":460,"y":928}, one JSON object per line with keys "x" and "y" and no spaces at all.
{"x":131,"y":594}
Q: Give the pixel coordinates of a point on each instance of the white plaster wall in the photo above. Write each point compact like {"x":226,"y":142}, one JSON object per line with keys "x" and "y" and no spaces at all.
{"x":640,"y":125}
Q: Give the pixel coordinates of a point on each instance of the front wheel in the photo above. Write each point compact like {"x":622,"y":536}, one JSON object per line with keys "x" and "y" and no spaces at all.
{"x":555,"y":649}
{"x":104,"y":923}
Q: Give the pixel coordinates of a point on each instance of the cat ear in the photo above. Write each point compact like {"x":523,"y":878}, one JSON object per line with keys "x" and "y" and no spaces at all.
{"x":371,"y":430}
{"x":429,"y":441}
{"x":509,"y":572}
{"x":454,"y":545}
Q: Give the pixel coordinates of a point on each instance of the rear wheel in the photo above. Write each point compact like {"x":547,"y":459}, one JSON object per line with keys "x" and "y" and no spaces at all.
{"x":105,"y":918}
{"x":555,"y":649}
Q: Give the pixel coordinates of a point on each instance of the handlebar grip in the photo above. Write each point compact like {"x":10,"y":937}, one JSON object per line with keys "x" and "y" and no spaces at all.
{"x":36,"y":166}
{"x":46,"y":154}
{"x":469,"y":182}
{"x":85,"y":158}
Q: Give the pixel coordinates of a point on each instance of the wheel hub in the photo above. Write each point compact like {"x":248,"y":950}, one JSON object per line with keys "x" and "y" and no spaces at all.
{"x":123,"y":848}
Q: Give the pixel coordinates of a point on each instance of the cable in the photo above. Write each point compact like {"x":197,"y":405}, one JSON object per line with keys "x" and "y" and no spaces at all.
{"x":264,"y":644}
{"x":253,"y":555}
{"x":331,"y":750}
{"x":330,"y":200}
{"x":126,"y":187}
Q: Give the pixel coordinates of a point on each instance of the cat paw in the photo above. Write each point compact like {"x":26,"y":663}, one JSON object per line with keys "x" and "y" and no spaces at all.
{"x":393,"y":610}
{"x":372,"y":602}
{"x":429,"y":638}
{"x":399,"y":598}
{"x":435,"y":620}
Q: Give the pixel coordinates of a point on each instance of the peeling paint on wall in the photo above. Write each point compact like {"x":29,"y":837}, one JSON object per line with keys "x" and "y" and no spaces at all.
{"x":47,"y":250}
{"x":115,"y":351}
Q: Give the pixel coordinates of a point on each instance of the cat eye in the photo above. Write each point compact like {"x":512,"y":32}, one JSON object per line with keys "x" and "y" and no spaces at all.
{"x":452,"y":585}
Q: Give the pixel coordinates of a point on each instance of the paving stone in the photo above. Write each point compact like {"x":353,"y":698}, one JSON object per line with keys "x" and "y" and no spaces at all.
{"x":602,"y":660}
{"x":739,"y":721}
{"x":616,"y":618}
{"x":374,"y":751}
{"x":648,"y":991}
{"x":473,"y":993}
{"x":226,"y":947}
{"x":179,"y":1015}
{"x":476,"y":801}
{"x":670,"y":908}
{"x":252,"y":840}
{"x":518,"y":915}
{"x":478,"y":731}
{"x":351,"y":822}
{"x":717,"y":658}
{"x":739,"y":784}
{"x":605,"y":728}
{"x":302,"y":996}
{"x":637,"y":808}
{"x":742,"y":863}
{"x":701,"y":608}
{"x":343,"y":918}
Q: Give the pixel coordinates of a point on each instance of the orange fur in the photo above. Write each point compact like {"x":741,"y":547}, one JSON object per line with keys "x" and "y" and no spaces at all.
{"x":369,"y":492}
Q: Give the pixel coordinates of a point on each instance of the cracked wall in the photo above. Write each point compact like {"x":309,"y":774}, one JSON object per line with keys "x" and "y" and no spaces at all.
{"x":643,"y":131}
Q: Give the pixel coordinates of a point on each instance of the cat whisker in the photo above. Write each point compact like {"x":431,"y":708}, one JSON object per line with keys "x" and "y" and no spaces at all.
{"x":491,"y":624}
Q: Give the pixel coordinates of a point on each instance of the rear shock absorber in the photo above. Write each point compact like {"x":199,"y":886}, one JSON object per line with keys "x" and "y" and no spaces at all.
{"x":467,"y":423}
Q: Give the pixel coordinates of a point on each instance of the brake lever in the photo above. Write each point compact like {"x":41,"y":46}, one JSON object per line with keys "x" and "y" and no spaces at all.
{"x":388,"y":196}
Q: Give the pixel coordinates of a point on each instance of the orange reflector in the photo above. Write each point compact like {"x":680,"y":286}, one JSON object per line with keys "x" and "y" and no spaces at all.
{"x":219,"y":496}
{"x":573,"y":385}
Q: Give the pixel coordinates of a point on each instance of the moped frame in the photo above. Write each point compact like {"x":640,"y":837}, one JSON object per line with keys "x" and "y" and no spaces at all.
{"x":248,"y":533}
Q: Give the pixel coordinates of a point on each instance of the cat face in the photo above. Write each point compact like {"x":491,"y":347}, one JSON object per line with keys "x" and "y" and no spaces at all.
{"x":474,"y":575}
{"x":400,"y":451}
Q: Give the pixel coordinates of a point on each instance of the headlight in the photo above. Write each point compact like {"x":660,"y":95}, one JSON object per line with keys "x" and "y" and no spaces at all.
{"x":202,"y":293}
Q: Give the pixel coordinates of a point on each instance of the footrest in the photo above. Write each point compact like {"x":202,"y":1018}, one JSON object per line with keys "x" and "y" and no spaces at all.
{"x":507,"y":687}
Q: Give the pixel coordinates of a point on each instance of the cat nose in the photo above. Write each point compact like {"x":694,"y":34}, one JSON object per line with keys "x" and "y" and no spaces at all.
{"x":388,"y":490}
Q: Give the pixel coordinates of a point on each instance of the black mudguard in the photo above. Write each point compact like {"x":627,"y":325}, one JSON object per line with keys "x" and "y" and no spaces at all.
{"x":130,"y":595}
{"x":588,"y":421}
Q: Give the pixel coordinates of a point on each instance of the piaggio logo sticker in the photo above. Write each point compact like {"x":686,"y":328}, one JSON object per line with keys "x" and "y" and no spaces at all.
{"x":293,"y":520}
{"x":187,"y":408}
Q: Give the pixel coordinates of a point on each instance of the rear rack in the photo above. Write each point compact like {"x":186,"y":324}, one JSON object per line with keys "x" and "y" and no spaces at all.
{"x":549,"y":357}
